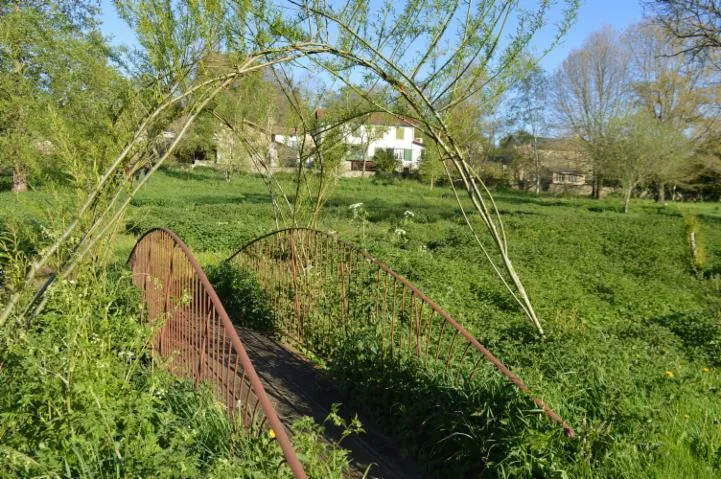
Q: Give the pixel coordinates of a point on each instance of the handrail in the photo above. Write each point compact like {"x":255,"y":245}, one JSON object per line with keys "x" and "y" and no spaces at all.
{"x":197,"y":337}
{"x":301,"y":246}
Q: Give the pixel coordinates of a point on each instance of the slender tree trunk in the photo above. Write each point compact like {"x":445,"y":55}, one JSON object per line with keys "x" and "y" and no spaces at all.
{"x":432,"y":182}
{"x":627,"y":198}
{"x":661,"y":193}
{"x":20,"y":180}
{"x":595,"y":193}
{"x":537,"y":164}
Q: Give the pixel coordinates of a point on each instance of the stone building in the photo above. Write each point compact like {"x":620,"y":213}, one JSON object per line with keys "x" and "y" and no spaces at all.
{"x":564,"y":167}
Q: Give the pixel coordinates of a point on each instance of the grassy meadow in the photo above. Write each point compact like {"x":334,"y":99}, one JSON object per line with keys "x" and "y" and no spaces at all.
{"x":633,"y":354}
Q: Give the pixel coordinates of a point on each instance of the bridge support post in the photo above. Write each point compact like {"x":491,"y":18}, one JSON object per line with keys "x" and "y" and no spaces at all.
{"x":167,"y":305}
{"x":294,"y":265}
{"x":203,"y":350}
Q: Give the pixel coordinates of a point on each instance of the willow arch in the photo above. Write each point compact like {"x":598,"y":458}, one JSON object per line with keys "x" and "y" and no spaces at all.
{"x":434,"y":55}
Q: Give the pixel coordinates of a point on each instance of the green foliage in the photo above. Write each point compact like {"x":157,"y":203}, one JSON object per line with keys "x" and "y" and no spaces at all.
{"x":639,"y":148}
{"x":430,"y":167}
{"x":244,"y":300}
{"x":324,"y":458}
{"x":620,"y":303}
{"x":63,"y":107}
{"x":81,"y":396}
{"x":386,"y":162}
{"x":447,"y":427}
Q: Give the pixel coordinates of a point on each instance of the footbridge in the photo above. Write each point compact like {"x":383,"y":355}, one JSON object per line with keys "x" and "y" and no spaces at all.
{"x":330,"y":302}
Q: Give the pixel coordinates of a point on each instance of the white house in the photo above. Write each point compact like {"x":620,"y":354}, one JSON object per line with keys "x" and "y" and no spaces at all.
{"x":383,"y":131}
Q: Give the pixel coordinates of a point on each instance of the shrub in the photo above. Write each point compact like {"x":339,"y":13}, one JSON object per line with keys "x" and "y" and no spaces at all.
{"x":386,"y":161}
{"x":244,"y":299}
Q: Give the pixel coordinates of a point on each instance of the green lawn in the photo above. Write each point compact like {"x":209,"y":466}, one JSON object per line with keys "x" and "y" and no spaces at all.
{"x":633,"y":354}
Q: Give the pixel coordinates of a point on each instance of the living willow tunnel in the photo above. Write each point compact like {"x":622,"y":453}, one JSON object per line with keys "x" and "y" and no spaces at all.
{"x":324,"y":293}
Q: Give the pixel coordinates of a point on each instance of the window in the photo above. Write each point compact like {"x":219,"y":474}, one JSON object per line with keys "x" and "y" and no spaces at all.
{"x":407,"y":155}
{"x":400,"y":133}
{"x":399,"y":154}
{"x":569,"y":178}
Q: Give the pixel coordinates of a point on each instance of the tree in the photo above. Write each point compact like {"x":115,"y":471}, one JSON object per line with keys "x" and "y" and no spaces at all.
{"x":591,"y":87}
{"x":673,"y":90}
{"x":695,"y":23}
{"x":430,"y":166}
{"x":639,"y":146}
{"x":61,"y":102}
{"x":528,"y":112}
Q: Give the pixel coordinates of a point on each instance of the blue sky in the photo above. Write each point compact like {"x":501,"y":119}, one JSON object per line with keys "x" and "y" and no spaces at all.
{"x":593,"y":15}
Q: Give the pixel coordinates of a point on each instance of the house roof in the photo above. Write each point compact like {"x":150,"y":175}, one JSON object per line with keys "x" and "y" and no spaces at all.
{"x":386,"y":119}
{"x":380,"y":118}
{"x":284,"y":130}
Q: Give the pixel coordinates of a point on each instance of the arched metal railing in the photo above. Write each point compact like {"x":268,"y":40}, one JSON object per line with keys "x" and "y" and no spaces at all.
{"x":324,"y":290}
{"x":196,"y":338}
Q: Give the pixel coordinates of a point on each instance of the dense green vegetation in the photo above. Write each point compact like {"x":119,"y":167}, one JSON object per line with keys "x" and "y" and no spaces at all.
{"x":630,"y":304}
{"x":634,"y":327}
{"x":81,"y":397}
{"x":632,"y":354}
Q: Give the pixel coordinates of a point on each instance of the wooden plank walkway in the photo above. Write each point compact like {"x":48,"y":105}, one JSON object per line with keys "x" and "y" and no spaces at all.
{"x":297,"y":388}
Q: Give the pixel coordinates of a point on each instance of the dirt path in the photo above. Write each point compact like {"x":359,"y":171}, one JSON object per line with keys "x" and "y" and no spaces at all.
{"x":297,"y":388}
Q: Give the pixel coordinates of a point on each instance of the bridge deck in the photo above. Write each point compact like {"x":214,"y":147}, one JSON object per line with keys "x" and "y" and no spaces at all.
{"x":297,"y":388}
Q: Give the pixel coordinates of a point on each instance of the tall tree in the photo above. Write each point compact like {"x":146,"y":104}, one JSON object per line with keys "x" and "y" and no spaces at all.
{"x":675,"y":90}
{"x":591,"y":87}
{"x":60,"y":99}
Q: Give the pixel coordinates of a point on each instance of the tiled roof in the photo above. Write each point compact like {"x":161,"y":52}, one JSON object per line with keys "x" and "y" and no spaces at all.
{"x":380,"y":118}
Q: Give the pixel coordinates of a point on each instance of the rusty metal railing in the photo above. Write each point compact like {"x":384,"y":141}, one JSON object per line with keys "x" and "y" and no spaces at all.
{"x":196,"y":338}
{"x":324,"y":290}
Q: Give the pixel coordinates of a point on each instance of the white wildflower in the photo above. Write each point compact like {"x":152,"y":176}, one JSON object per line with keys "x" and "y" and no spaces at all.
{"x":355,"y":206}
{"x":126,"y":355}
{"x":400,"y":231}
{"x":408,"y":214}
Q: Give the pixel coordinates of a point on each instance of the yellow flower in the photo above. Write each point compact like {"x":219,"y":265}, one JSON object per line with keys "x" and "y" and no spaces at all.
{"x":685,"y":417}
{"x":706,"y":370}
{"x":271,"y":433}
{"x":668,"y":374}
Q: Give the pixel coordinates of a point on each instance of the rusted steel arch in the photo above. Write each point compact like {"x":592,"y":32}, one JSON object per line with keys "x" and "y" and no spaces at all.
{"x":197,"y":340}
{"x":289,"y":260}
